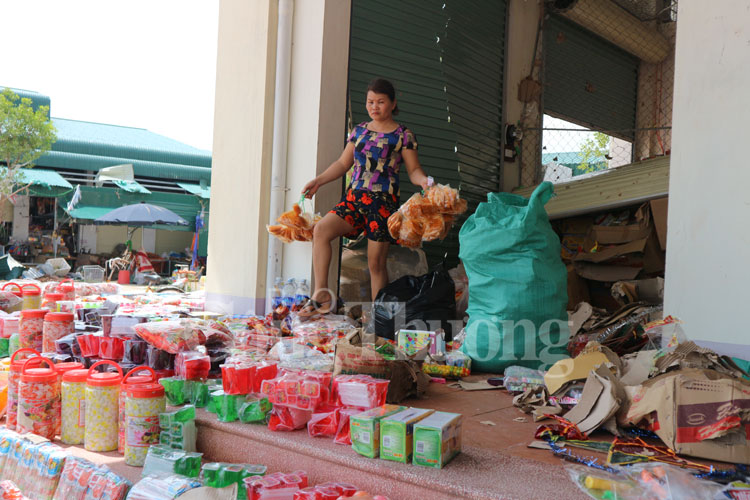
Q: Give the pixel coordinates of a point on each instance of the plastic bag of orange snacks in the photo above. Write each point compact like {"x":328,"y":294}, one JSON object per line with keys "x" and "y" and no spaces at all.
{"x":294,"y":225}
{"x":426,"y":218}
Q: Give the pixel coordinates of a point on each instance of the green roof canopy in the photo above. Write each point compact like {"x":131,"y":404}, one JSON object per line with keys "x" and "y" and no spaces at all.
{"x":85,"y":212}
{"x":43,"y":182}
{"x":130,"y":186}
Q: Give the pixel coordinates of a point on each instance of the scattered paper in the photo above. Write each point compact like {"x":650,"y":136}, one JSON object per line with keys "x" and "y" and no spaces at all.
{"x":487,"y":422}
{"x":520,"y":419}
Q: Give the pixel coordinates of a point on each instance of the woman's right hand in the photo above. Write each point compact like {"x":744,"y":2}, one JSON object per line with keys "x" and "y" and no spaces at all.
{"x":311,"y":188}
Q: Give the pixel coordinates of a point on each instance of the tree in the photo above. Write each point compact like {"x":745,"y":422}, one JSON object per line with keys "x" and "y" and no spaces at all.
{"x":593,"y":152}
{"x":25,"y":135}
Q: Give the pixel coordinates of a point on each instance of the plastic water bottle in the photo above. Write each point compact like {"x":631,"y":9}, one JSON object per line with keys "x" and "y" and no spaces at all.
{"x":288,"y":293}
{"x":303,"y":293}
{"x":276,"y":292}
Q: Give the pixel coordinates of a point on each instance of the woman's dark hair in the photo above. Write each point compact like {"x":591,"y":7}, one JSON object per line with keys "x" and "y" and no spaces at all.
{"x":383,"y":86}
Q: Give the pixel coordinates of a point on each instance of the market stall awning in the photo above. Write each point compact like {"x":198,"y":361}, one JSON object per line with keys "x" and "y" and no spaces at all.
{"x":196,"y":189}
{"x":130,"y":186}
{"x":43,"y":182}
{"x":84,"y":212}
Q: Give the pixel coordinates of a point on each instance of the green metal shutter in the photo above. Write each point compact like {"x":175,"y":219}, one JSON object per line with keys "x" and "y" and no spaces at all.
{"x":587,"y":79}
{"x":446,"y":61}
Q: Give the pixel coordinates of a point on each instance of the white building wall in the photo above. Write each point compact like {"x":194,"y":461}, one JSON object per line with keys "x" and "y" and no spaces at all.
{"x":707,"y":274}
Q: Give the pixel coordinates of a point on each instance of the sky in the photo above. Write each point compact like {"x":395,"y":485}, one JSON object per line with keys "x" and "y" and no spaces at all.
{"x":140,"y":63}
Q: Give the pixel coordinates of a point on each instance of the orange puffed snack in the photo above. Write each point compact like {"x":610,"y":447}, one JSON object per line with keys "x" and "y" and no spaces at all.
{"x":394,"y":224}
{"x":294,"y":225}
{"x":426,"y":218}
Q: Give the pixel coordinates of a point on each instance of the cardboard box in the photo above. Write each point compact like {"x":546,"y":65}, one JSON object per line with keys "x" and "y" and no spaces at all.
{"x":615,"y":235}
{"x":659,"y":216}
{"x":701,"y":413}
{"x":365,"y":429}
{"x":413,"y":341}
{"x":578,"y":290}
{"x":397,"y":432}
{"x":437,"y":439}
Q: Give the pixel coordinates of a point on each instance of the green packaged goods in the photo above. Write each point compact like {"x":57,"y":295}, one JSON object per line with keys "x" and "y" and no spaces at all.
{"x":174,"y":388}
{"x":220,"y":475}
{"x":163,"y":459}
{"x":396,"y":433}
{"x":437,"y":439}
{"x":254,"y":409}
{"x":365,"y":429}
{"x":227,"y":405}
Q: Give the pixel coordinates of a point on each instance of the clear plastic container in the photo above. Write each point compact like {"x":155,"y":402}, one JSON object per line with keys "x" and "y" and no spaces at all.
{"x":14,"y":378}
{"x":56,"y":326}
{"x":38,"y":394}
{"x":143,"y":404}
{"x":31,"y":329}
{"x":102,"y":394}
{"x":73,"y":414}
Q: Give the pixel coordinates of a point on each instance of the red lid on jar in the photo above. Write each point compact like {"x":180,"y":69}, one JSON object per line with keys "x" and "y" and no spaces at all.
{"x":68,"y":366}
{"x":34,"y":313}
{"x":17,"y":364}
{"x":59,"y":316}
{"x":106,"y":379}
{"x":132,"y":378}
{"x":30,"y":289}
{"x":54,"y":296}
{"x":144,"y":390}
{"x":44,"y":375}
{"x":75,"y":376}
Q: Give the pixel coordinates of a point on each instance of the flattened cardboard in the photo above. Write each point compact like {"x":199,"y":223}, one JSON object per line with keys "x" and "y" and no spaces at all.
{"x":701,"y":413}
{"x":650,"y":291}
{"x":612,"y":252}
{"x":607,"y":235}
{"x":603,"y":272}
{"x":578,"y":290}
{"x":659,"y":216}
{"x":601,"y":398}
{"x":569,"y":369}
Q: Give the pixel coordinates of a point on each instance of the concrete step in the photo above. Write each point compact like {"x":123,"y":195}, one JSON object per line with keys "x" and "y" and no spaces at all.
{"x":476,"y":473}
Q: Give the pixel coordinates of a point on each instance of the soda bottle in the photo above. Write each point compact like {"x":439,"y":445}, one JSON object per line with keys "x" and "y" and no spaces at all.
{"x":276,"y":292}
{"x":303,"y":293}
{"x":288,"y":292}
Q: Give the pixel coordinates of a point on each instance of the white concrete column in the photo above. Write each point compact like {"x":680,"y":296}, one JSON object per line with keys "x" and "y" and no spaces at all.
{"x":317,"y":113}
{"x":21,"y":219}
{"x":707,"y":274}
{"x":240,"y":176}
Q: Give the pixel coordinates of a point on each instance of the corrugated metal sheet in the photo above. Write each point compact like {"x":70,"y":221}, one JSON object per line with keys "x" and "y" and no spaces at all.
{"x":588,"y":79}
{"x":101,"y":139}
{"x":43,"y":182}
{"x":75,"y":161}
{"x":445,"y":58}
{"x":473,"y":64}
{"x":618,"y":187}
{"x":196,"y":189}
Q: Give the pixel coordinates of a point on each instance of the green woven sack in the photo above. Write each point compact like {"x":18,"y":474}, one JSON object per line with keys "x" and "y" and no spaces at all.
{"x":517,"y":284}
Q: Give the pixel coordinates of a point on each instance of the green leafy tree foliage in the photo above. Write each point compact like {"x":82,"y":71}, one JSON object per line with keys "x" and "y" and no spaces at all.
{"x":593,"y":152}
{"x":25,"y":135}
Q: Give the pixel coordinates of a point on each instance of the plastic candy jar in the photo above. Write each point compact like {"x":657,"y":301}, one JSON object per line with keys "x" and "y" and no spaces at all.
{"x":32,"y":296}
{"x":102,"y":393}
{"x":31,"y":328}
{"x":38,"y":394}
{"x":143,"y":404}
{"x":149,"y":377}
{"x":73,"y":414}
{"x":14,"y":377}
{"x":56,"y":326}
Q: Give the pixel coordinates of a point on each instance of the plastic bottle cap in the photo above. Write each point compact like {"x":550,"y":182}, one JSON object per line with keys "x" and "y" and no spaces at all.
{"x":104,"y":379}
{"x":75,"y":376}
{"x":34,"y":313}
{"x":47,"y":375}
{"x":17,"y":364}
{"x":144,"y":391}
{"x":59,"y":316}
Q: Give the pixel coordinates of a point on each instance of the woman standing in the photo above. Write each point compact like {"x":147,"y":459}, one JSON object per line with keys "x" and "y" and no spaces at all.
{"x":376,"y":149}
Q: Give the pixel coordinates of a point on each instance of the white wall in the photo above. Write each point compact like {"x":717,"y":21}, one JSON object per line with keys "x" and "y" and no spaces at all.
{"x":707,"y":274}
{"x":240,"y":173}
{"x":317,"y":112}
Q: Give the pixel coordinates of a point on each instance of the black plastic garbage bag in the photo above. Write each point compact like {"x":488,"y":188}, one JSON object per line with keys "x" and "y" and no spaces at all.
{"x":416,"y":302}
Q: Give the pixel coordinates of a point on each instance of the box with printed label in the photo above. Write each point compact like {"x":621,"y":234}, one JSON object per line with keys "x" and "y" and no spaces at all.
{"x":437,"y":439}
{"x":396,"y":432}
{"x":365,"y":429}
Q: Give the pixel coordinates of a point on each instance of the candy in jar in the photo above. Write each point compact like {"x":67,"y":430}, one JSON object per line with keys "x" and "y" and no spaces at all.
{"x":32,"y":296}
{"x":143,"y":404}
{"x":129,"y":379}
{"x":38,"y":394}
{"x":31,"y":328}
{"x":73,"y":410}
{"x":14,"y":377}
{"x":62,"y":368}
{"x":56,"y":326}
{"x":102,"y":393}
